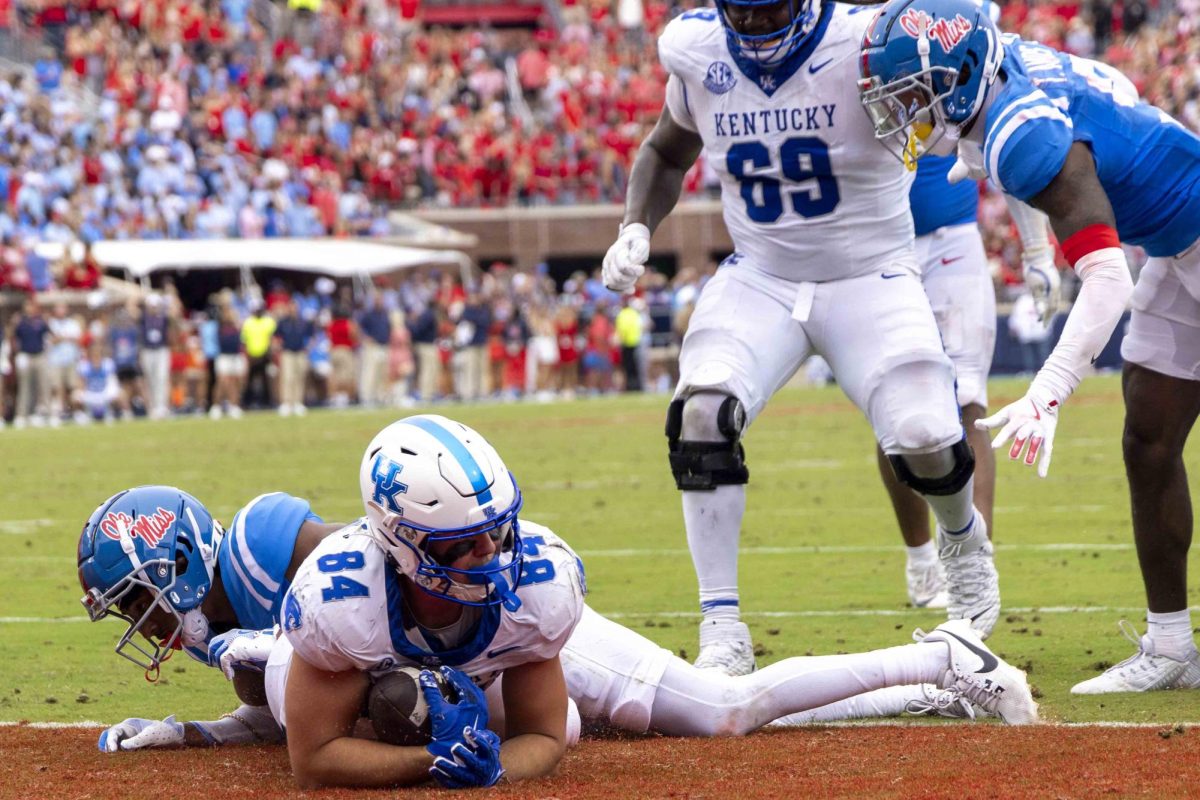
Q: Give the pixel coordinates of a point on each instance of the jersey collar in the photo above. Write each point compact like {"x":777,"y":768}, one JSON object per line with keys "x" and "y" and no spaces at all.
{"x":769,"y":81}
{"x":399,"y":622}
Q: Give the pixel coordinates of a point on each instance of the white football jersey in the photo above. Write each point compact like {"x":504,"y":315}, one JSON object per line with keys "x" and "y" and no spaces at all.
{"x":345,"y":610}
{"x":808,"y":193}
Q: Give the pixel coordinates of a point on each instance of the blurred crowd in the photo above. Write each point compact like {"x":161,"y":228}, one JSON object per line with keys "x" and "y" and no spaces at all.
{"x":426,"y":338}
{"x":153,"y":119}
{"x":147,"y":119}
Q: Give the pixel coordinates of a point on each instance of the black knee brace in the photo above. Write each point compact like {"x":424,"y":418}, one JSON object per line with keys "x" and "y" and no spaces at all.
{"x":702,"y":466}
{"x":964,"y":468}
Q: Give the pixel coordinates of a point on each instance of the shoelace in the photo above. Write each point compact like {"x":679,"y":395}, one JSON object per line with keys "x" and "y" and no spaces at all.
{"x":940,"y":703}
{"x":928,"y":576}
{"x":969,"y":691}
{"x":970,"y":577}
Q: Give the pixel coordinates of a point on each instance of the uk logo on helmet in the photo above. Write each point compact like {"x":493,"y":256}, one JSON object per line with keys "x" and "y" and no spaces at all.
{"x":946,"y":32}
{"x":149,"y":528}
{"x":384,"y":473}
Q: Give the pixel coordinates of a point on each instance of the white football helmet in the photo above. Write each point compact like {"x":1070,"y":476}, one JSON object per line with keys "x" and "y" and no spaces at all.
{"x":427,"y":478}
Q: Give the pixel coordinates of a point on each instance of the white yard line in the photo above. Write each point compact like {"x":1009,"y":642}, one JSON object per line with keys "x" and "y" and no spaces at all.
{"x":797,"y":614}
{"x":868,"y":723}
{"x":821,"y":548}
{"x":808,"y":549}
{"x":20,"y":527}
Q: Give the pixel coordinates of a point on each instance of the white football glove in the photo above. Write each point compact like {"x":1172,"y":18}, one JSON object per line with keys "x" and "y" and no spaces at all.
{"x":625,"y":261}
{"x":241,"y":649}
{"x":1029,"y":421}
{"x":1045,"y":284}
{"x":136,"y":733}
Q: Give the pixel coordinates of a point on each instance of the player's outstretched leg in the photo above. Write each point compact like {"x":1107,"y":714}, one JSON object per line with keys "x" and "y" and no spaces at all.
{"x":708,"y":462}
{"x":1159,"y":414}
{"x":918,"y":699}
{"x":691,"y":702}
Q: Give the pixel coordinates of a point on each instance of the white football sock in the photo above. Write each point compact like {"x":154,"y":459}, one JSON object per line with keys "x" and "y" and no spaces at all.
{"x":714,"y":524}
{"x":954,"y":512}
{"x":924,"y":554}
{"x":1171,"y":633}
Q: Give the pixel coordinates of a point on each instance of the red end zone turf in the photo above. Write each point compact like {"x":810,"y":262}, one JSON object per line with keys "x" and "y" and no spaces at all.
{"x":883,"y":762}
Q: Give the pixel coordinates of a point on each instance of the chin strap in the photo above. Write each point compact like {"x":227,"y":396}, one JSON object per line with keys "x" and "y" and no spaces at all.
{"x":195,"y":628}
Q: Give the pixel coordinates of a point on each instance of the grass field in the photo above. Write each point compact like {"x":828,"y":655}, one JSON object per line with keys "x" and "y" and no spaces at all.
{"x":821,"y":566}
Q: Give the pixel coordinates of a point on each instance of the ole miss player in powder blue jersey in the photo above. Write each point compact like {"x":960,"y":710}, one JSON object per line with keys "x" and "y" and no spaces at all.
{"x":155,"y":557}
{"x":1070,"y":137}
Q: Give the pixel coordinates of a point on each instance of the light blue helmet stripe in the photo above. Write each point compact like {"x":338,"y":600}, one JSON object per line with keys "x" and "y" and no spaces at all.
{"x":470,"y":466}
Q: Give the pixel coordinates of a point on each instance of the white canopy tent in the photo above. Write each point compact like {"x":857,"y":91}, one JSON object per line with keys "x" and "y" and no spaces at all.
{"x":338,"y":258}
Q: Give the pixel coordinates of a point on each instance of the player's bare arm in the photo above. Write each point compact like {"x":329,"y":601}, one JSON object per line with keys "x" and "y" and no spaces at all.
{"x":535,"y":713}
{"x":1075,"y":199}
{"x":658,"y":170}
{"x":310,"y":535}
{"x":323,"y":708}
{"x":654,"y":185}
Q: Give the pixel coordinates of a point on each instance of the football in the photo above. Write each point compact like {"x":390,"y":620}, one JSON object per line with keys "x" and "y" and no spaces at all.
{"x":397,"y":708}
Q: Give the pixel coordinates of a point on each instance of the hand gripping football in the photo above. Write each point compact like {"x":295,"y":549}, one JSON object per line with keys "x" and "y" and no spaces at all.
{"x":398,"y":710}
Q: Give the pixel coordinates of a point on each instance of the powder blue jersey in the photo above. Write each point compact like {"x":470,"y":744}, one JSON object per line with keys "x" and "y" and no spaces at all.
{"x":1148,"y":164}
{"x":935,"y":201}
{"x":255,"y":555}
{"x":254,"y":558}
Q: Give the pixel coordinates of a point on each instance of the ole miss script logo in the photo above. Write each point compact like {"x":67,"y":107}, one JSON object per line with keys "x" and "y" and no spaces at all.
{"x":946,"y":32}
{"x":149,"y":528}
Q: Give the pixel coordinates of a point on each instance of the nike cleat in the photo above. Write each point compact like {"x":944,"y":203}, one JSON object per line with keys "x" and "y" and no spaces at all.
{"x":930,"y":701}
{"x":972,"y":582}
{"x":726,"y":647}
{"x":1144,"y":671}
{"x":981,"y":676}
{"x":927,"y":585}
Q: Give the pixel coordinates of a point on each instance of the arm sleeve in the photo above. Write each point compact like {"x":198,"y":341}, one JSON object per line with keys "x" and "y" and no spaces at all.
{"x":1107,"y":287}
{"x":1032,"y":225}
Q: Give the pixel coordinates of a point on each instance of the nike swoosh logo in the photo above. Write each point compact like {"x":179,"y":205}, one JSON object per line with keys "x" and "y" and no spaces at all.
{"x":888,"y":277}
{"x":1037,"y":414}
{"x":946,"y":261}
{"x":813,"y":69}
{"x":989,"y":661}
{"x":501,"y":651}
{"x":1095,"y":357}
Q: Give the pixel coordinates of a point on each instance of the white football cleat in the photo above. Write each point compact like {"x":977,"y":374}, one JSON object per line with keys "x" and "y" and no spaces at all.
{"x":725,"y":646}
{"x":927,"y":585}
{"x":1144,"y":671}
{"x":971,"y":578}
{"x":934,"y":702}
{"x":981,"y":676}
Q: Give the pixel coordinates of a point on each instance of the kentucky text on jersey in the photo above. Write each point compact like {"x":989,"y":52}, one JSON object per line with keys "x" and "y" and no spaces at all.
{"x":773,"y":120}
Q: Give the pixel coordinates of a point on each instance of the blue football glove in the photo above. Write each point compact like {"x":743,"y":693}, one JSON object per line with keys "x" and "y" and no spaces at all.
{"x":472,"y":762}
{"x":241,"y":649}
{"x":447,"y":720}
{"x":136,"y":733}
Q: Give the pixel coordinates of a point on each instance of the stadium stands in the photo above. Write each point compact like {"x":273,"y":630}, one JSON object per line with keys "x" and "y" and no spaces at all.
{"x":152,"y":119}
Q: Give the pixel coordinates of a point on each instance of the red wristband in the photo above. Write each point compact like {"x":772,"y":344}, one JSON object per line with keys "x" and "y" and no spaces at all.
{"x":1089,"y":240}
